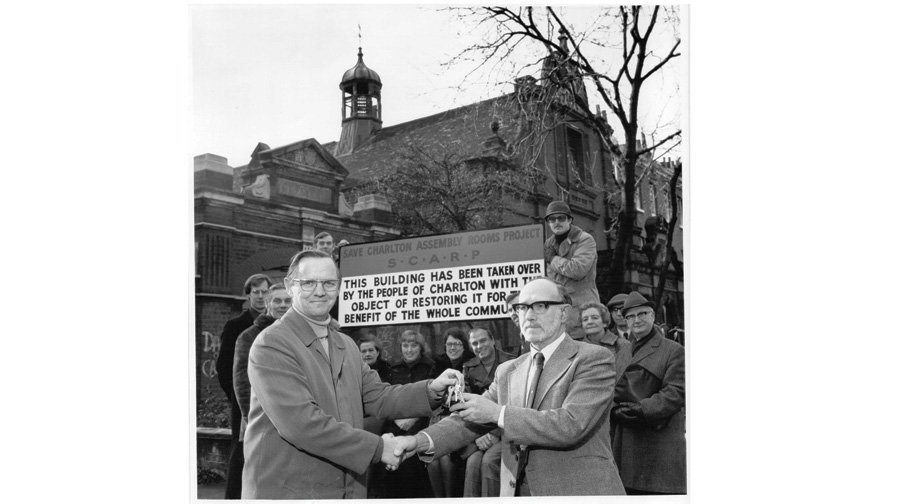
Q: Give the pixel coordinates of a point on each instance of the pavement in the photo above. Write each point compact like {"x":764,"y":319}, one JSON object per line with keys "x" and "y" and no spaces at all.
{"x":211,"y":491}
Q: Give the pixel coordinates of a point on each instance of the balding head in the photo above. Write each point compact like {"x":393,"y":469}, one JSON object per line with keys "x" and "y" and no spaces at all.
{"x":542,"y":311}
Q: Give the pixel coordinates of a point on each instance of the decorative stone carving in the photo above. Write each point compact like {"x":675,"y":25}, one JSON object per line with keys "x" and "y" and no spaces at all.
{"x":260,"y":188}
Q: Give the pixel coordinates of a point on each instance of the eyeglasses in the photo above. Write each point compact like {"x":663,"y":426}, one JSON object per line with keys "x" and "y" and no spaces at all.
{"x":453,"y":344}
{"x":259,"y":292}
{"x":644,"y":315}
{"x":557,"y":218}
{"x":310,"y":285}
{"x":539,"y":307}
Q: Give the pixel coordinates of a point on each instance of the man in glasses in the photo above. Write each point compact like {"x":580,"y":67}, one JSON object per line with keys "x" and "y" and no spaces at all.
{"x":615,"y":311}
{"x":551,"y":404}
{"x":256,"y":287}
{"x":309,"y":392}
{"x":571,"y":256}
{"x":649,"y":419}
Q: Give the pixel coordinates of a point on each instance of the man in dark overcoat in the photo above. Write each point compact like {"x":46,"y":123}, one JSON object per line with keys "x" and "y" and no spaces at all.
{"x":648,"y":413}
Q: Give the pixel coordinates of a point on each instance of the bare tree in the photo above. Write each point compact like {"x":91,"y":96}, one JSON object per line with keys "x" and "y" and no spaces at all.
{"x":663,"y":255}
{"x":438,"y":191}
{"x":568,"y":70}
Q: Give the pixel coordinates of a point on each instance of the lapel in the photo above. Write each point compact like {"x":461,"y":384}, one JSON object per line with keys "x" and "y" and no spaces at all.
{"x":304,"y":332}
{"x":518,"y":380}
{"x":566,"y":245}
{"x":336,"y":351}
{"x":555,"y":367}
{"x":649,"y":348}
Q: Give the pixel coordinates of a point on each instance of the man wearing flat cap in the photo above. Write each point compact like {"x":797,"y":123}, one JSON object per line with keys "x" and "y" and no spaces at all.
{"x":648,"y":410}
{"x":615,"y":311}
{"x":571,"y":256}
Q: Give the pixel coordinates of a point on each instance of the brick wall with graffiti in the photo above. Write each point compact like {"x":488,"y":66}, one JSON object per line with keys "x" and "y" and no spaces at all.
{"x":212,"y":405}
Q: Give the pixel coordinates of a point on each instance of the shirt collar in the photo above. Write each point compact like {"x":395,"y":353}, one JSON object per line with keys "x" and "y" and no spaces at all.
{"x":549,"y":349}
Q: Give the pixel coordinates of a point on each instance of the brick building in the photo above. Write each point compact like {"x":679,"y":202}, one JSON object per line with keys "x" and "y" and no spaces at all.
{"x":253,"y":218}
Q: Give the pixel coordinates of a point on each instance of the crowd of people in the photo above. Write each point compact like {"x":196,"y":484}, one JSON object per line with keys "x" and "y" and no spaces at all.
{"x":594,"y":404}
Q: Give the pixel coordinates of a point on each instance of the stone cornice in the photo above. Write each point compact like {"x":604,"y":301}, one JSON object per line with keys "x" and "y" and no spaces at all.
{"x":235,"y":230}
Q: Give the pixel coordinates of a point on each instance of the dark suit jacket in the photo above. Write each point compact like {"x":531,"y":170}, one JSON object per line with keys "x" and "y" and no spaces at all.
{"x":567,"y":432}
{"x":305,"y":437}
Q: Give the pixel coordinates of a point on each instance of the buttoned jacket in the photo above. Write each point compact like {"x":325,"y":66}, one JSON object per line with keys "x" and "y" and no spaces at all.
{"x":652,"y":454}
{"x":567,"y":431}
{"x":305,"y":436}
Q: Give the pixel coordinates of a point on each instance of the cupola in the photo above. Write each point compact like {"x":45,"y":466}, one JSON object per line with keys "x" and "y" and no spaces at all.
{"x":361,"y":111}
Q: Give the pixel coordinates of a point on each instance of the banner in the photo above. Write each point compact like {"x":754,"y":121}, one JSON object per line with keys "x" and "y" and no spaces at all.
{"x":461,"y":276}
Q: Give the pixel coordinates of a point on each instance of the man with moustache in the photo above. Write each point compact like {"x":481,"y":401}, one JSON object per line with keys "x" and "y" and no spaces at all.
{"x":649,"y":436}
{"x":552,"y":406}
{"x":571,"y":256}
{"x":309,"y":392}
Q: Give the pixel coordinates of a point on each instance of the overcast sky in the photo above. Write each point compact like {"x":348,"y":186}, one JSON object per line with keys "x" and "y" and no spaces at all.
{"x":271,"y":73}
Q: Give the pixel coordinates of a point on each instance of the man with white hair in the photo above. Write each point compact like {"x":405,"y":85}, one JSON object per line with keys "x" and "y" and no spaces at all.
{"x":551,"y":404}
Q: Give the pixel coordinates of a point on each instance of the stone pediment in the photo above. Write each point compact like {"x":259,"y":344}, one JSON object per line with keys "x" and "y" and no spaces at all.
{"x":302,"y":173}
{"x":307,"y":157}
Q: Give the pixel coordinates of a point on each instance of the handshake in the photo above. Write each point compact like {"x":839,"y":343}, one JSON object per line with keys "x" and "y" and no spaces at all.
{"x":397,"y":449}
{"x":448,"y":386}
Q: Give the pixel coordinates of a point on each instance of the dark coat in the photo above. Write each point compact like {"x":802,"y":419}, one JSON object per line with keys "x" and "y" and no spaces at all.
{"x":371,"y":423}
{"x":383,"y":369}
{"x":442,"y":362}
{"x":619,"y":346}
{"x":410,"y":479}
{"x":478,"y":376}
{"x":225,"y":361}
{"x":651,"y":455}
{"x":401,"y":374}
{"x":241,"y":356}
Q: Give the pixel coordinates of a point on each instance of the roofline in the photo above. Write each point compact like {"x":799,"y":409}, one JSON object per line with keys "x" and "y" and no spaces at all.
{"x":445,"y":112}
{"x":298,"y":142}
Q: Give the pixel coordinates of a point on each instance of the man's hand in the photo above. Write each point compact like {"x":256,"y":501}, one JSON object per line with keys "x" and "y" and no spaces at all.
{"x":447,"y":379}
{"x":628,"y":413}
{"x":402,"y":448}
{"x":478,"y":409}
{"x":486,"y":441}
{"x":389,"y":456}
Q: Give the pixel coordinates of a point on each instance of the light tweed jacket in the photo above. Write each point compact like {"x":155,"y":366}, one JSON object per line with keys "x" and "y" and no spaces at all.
{"x":567,"y":431}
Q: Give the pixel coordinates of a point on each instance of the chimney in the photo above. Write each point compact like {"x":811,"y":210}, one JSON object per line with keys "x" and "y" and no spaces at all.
{"x":212,"y":172}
